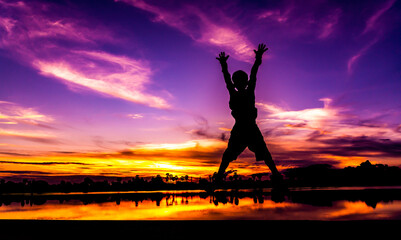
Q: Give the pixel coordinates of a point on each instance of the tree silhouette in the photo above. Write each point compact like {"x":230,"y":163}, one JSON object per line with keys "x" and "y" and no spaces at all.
{"x":168,"y":177}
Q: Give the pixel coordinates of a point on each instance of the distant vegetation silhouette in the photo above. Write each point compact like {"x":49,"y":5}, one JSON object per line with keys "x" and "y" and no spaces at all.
{"x":366,"y":174}
{"x":319,"y":175}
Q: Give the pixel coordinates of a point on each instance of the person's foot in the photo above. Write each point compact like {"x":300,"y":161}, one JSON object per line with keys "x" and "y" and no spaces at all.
{"x":277,"y":181}
{"x":218,"y":180}
{"x":278,"y":195}
{"x":210,"y":188}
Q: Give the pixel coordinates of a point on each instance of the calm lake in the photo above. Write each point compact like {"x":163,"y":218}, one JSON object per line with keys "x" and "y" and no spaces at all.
{"x":351,"y":203}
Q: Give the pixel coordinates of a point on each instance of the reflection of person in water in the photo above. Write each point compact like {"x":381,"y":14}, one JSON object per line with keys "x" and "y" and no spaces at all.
{"x":245,"y":132}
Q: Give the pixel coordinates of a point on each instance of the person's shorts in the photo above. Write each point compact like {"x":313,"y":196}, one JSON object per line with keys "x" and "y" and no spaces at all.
{"x":243,"y":136}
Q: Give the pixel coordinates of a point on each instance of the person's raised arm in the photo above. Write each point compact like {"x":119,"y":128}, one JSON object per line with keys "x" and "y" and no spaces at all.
{"x":258,"y":60}
{"x":224,"y":68}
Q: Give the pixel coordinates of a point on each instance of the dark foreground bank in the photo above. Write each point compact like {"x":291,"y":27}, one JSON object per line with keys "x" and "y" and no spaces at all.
{"x":47,"y":229}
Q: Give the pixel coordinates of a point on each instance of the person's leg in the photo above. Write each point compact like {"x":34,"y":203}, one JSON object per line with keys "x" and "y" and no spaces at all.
{"x":225,"y":161}
{"x":276,"y":177}
{"x":269,"y":162}
{"x":258,"y":146}
{"x":234,"y":148}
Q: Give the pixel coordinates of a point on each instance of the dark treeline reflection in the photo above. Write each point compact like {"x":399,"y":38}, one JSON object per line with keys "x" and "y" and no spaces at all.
{"x":317,"y":197}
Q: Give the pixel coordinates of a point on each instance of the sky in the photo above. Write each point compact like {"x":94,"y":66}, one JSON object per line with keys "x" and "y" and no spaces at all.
{"x":131,"y":87}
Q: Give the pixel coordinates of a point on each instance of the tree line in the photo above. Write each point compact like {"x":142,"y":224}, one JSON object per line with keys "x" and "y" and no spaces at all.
{"x":366,"y":174}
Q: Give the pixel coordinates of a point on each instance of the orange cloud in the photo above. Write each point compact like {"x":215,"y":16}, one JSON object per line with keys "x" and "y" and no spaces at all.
{"x":196,"y":158}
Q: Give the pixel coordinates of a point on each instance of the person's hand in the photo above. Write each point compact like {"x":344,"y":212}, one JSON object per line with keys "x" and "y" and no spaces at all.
{"x":222,"y":57}
{"x":261,"y":49}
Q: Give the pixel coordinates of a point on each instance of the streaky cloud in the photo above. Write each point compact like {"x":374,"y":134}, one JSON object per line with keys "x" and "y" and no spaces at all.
{"x":366,"y":146}
{"x":112,"y":75}
{"x":34,"y":36}
{"x":315,"y":134}
{"x":372,"y":26}
{"x":329,"y":24}
{"x":353,"y":60}
{"x":32,"y":136}
{"x":292,"y":19}
{"x":13,"y":154}
{"x":372,"y":21}
{"x":210,"y":28}
{"x":25,"y":172}
{"x":13,"y":113}
{"x":43,"y":163}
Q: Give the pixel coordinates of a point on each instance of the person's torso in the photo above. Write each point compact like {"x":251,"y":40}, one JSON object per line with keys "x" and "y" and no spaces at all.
{"x":242,"y":105}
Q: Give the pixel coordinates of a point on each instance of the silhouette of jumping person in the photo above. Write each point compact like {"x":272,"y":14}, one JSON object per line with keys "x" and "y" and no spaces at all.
{"x":245,"y":132}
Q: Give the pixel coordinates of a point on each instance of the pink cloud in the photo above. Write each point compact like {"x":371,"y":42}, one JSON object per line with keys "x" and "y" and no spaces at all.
{"x":293,"y":19}
{"x":202,"y":27}
{"x":112,"y":75}
{"x":335,"y":120}
{"x":19,"y":123}
{"x":36,"y":136}
{"x":313,"y":118}
{"x":371,"y":23}
{"x":26,"y":25}
{"x":352,"y":60}
{"x":325,"y":133}
{"x":331,"y":121}
{"x":11,"y":113}
{"x":32,"y":33}
{"x":276,"y":15}
{"x":329,"y":25}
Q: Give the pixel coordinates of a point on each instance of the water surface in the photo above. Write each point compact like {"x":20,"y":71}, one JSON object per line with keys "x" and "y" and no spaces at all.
{"x":299,"y":204}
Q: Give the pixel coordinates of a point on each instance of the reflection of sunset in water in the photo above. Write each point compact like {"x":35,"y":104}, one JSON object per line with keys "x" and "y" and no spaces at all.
{"x":197,"y":208}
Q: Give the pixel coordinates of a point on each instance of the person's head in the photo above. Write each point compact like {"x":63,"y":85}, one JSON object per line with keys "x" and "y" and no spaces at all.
{"x":240,"y":79}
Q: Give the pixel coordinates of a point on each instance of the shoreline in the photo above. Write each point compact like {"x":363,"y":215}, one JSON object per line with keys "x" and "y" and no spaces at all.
{"x":185,"y":191}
